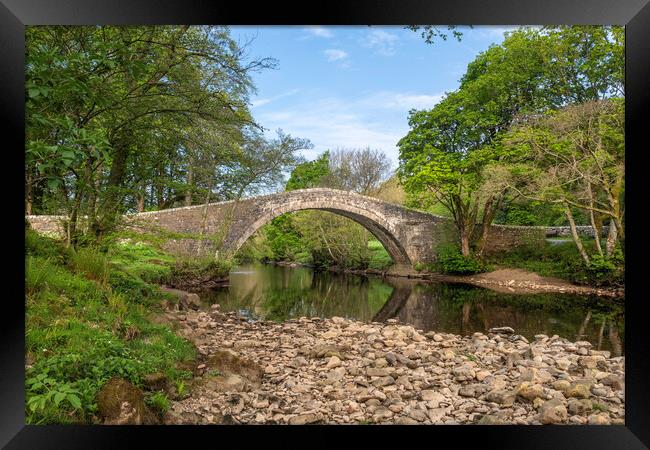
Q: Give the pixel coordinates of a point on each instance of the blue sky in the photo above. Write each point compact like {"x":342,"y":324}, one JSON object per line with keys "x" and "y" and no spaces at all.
{"x":352,"y":86}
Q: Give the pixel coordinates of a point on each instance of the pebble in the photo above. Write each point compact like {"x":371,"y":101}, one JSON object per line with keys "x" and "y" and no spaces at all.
{"x":338,"y":370}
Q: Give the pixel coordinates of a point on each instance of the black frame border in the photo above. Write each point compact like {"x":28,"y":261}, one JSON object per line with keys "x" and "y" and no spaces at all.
{"x":634,"y":14}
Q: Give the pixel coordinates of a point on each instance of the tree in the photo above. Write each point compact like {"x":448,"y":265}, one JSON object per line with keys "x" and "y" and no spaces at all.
{"x":575,"y":157}
{"x":446,"y":154}
{"x":110,"y":112}
{"x":430,"y":32}
{"x":358,"y":170}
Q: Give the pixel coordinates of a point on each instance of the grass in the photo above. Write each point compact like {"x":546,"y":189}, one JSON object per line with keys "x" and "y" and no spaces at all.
{"x":379,"y":257}
{"x":562,"y":260}
{"x":88,"y":318}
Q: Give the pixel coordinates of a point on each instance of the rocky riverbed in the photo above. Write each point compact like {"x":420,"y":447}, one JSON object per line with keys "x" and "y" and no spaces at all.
{"x":339,"y":371}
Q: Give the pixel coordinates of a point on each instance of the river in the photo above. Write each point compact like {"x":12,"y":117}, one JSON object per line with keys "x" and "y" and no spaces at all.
{"x":278,"y":293}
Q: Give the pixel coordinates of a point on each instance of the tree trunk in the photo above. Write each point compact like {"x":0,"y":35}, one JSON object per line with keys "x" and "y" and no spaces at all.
{"x":204,"y":221}
{"x":160,"y":189}
{"x":488,"y":215}
{"x":600,"y":334}
{"x":29,"y":191}
{"x":595,"y":224}
{"x":108,"y":210}
{"x":190,"y":180}
{"x":140,"y":202}
{"x":612,"y":237}
{"x":464,"y":240}
{"x":574,"y":234}
{"x":615,"y":340}
{"x":583,"y":327}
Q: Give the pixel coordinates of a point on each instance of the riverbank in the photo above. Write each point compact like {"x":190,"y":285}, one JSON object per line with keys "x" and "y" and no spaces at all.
{"x":508,"y":280}
{"x":336,"y":370}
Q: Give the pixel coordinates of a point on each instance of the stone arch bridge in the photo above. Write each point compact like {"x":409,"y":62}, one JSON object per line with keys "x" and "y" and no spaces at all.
{"x":409,"y":236}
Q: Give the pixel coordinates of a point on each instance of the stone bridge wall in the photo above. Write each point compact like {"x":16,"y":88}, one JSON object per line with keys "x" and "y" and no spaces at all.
{"x":221,"y":228}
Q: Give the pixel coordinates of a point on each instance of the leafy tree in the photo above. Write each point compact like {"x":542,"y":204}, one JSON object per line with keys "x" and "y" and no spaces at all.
{"x":431,"y":32}
{"x":452,"y":152}
{"x":575,"y":157}
{"x":309,"y":174}
{"x":112,"y":112}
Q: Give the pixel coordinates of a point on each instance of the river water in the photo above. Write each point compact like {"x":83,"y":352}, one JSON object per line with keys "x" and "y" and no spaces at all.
{"x":279,"y":293}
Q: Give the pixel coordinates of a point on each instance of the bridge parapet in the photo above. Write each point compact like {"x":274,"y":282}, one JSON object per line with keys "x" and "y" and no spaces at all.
{"x":408,"y":235}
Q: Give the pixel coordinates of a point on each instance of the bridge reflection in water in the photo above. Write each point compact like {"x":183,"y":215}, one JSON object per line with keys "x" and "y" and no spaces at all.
{"x":281,"y":293}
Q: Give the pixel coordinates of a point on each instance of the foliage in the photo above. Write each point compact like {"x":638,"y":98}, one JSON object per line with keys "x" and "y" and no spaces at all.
{"x":357,"y":170}
{"x":562,"y":260}
{"x":126,"y":119}
{"x":450,"y":260}
{"x":89,"y":263}
{"x":452,"y":154}
{"x":206,"y":269}
{"x":309,"y":174}
{"x":430,"y":32}
{"x":574,"y":158}
{"x":159,"y":402}
{"x":80,"y":332}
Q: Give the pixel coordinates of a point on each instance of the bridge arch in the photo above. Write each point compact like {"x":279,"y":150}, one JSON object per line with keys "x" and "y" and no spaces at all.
{"x":372,"y":221}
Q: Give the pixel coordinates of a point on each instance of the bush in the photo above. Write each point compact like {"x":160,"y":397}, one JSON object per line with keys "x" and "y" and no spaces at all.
{"x":159,"y":402}
{"x":600,"y":271}
{"x":131,"y":285}
{"x":451,"y":260}
{"x":90,"y":263}
{"x":38,"y":245}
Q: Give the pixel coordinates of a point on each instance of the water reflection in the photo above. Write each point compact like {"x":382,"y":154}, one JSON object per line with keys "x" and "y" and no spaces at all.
{"x":280,"y":293}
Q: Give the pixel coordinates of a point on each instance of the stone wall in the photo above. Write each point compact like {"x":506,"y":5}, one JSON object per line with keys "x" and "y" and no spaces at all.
{"x":48,"y":225}
{"x":505,"y":237}
{"x":583,"y":230}
{"x":221,"y":228}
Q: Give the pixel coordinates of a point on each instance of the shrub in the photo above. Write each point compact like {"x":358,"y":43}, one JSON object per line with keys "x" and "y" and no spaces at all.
{"x":452,"y":261}
{"x":599,"y":271}
{"x":90,"y":263}
{"x":159,"y":402}
{"x":130,"y":285}
{"x":38,"y":245}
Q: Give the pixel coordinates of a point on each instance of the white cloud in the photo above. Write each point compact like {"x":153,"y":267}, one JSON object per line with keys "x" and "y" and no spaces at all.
{"x":378,"y":120}
{"x":402,"y":101}
{"x":263,"y":101}
{"x":382,"y":42}
{"x":333,"y":54}
{"x":319,"y":32}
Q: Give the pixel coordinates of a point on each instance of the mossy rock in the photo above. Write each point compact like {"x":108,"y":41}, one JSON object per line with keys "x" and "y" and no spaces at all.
{"x":121,"y":403}
{"x":155,"y":381}
{"x":226,"y":361}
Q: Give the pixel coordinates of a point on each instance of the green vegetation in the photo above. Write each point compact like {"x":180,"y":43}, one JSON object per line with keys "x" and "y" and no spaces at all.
{"x":562,"y":260}
{"x":87,"y":320}
{"x":159,"y":402}
{"x":125,"y":119}
{"x":532,"y":136}
{"x":451,"y":260}
{"x":323,"y":239}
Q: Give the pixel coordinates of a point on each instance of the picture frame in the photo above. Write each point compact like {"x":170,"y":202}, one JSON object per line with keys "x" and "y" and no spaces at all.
{"x":634,"y":14}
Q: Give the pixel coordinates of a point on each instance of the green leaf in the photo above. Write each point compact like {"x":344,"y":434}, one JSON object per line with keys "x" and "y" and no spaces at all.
{"x":53,"y":183}
{"x":33,"y":404}
{"x":58,"y":397}
{"x":74,"y":401}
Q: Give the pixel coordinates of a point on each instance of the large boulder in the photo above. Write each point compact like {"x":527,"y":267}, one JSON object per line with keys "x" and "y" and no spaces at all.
{"x":186,"y":300}
{"x":121,"y":403}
